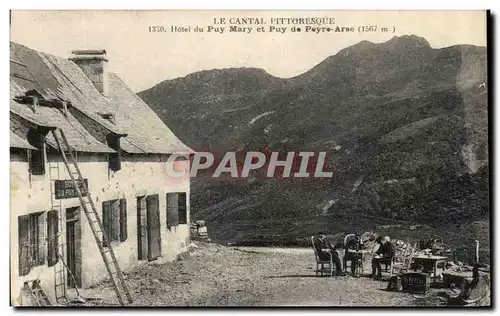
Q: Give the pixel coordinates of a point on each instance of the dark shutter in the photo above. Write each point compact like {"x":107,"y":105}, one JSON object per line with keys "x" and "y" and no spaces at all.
{"x":23,"y":227}
{"x":40,"y":240}
{"x":33,"y":236}
{"x":182,"y":208}
{"x":37,"y":159}
{"x":115,"y":220}
{"x":114,"y":158}
{"x":52,"y":240}
{"x":123,"y":220}
{"x":106,"y":221}
{"x":172,"y":209}
{"x":154,"y":232}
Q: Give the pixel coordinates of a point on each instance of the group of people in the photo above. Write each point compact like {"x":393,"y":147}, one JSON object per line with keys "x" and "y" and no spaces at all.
{"x":383,"y":253}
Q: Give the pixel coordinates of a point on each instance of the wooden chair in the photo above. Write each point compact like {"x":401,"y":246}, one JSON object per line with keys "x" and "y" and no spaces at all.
{"x":389,"y":267}
{"x":320,"y":264}
{"x":348,"y":237}
{"x":395,"y":263}
{"x":405,"y":262}
{"x":359,"y":264}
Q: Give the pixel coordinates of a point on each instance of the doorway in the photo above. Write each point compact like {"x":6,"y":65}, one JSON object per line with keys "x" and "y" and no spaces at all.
{"x":73,"y":247}
{"x":153,"y":227}
{"x":148,"y":228}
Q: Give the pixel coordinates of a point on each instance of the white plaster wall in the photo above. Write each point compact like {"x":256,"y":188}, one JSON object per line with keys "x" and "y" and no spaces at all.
{"x":26,"y":197}
{"x":139,"y":176}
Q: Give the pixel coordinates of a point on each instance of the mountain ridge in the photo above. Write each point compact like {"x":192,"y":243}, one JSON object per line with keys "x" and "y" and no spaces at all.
{"x":404,"y":38}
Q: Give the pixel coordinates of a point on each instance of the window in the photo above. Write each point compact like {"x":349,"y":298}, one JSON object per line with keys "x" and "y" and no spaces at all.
{"x":31,"y":242}
{"x":176,"y":209}
{"x":114,"y":220}
{"x":97,"y":70}
{"x":37,"y":157}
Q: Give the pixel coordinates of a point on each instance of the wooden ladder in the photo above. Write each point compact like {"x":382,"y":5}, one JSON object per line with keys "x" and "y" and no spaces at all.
{"x":94,"y":220}
{"x":37,"y":294}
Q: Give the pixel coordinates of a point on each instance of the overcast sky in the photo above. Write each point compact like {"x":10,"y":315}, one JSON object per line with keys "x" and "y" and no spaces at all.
{"x":143,"y":59}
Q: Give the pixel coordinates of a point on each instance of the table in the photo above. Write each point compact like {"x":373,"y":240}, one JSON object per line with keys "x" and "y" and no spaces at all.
{"x":362,"y":254}
{"x":435,"y":260}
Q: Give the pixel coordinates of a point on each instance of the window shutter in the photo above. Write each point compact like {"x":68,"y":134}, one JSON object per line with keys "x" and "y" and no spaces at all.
{"x":106,"y":221}
{"x":39,"y":220}
{"x":52,"y":240}
{"x":33,"y":240}
{"x":115,"y":221}
{"x":172,"y":209}
{"x":24,"y":245}
{"x":182,"y":205}
{"x":123,"y":220}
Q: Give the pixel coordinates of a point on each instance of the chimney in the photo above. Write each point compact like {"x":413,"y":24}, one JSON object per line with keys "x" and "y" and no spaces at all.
{"x":93,"y":63}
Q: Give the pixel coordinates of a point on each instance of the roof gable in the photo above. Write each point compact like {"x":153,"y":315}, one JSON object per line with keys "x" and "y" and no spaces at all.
{"x":55,"y":77}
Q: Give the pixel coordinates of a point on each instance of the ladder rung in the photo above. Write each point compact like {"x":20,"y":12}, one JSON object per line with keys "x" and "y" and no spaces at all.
{"x":94,"y":219}
{"x":96,"y":226}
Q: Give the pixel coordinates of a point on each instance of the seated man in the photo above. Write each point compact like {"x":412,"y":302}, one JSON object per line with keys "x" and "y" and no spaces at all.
{"x":384,"y":254}
{"x":436,"y":249}
{"x":325,"y":249}
{"x":353,"y":244}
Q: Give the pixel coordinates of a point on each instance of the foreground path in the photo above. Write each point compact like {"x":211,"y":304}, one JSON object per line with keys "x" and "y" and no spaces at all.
{"x":214,"y":275}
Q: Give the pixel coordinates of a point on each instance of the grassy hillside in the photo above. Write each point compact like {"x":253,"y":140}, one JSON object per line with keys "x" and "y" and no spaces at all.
{"x":404,"y":125}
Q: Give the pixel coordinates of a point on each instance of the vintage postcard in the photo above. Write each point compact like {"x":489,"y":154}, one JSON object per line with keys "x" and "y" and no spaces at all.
{"x":249,"y":158}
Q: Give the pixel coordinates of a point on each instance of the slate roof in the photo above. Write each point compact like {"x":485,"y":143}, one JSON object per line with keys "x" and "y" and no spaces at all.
{"x":18,"y":142}
{"x":149,"y":131}
{"x":78,"y":137}
{"x":60,"y":78}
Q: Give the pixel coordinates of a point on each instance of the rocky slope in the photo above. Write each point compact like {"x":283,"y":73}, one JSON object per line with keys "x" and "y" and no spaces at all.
{"x":405,"y":127}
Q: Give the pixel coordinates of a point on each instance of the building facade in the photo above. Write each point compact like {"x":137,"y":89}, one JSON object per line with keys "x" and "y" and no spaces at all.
{"x":122,"y":149}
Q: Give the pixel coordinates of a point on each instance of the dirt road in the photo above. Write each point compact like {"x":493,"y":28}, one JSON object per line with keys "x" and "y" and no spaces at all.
{"x":213,"y":275}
